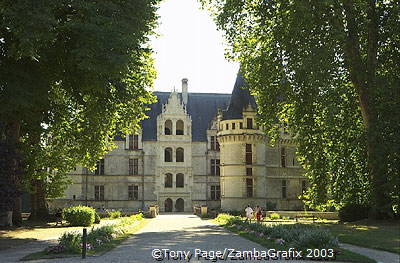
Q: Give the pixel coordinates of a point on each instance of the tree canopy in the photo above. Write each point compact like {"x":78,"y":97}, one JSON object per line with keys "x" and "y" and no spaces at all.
{"x":330,"y":70}
{"x":73,"y":74}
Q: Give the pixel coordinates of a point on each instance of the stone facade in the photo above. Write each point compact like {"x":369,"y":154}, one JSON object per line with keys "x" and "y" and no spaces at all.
{"x":189,"y":153}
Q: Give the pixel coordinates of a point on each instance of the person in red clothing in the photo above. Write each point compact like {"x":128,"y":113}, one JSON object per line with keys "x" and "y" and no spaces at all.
{"x":258,"y":214}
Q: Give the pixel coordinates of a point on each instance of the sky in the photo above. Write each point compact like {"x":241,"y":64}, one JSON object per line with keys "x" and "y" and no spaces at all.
{"x":189,"y":46}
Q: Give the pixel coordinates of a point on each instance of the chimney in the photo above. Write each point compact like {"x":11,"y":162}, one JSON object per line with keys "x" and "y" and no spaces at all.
{"x":185,"y":90}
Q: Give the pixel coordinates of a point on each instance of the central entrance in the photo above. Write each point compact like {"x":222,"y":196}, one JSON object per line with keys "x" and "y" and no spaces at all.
{"x":180,"y":205}
{"x":168,"y":205}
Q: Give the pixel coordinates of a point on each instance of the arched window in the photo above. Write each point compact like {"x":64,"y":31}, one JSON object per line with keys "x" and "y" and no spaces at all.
{"x":168,"y":155}
{"x":180,"y":180}
{"x":180,"y":155}
{"x":179,"y":127}
{"x":283,"y":157}
{"x":168,"y":127}
{"x":168,"y":181}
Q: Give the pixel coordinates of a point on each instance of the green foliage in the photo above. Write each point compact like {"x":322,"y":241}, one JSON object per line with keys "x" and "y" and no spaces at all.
{"x":353,"y":212}
{"x":97,"y":218}
{"x":71,"y":242}
{"x":114,"y":214}
{"x":74,"y":74}
{"x":274,"y":216}
{"x":327,"y":70}
{"x":79,"y":215}
{"x":270,"y":206}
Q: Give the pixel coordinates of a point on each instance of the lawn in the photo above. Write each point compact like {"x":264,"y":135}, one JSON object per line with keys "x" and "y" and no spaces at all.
{"x":383,"y":235}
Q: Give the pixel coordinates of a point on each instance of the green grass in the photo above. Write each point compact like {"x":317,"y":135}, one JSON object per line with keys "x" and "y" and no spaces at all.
{"x":345,"y":255}
{"x":383,"y":235}
{"x":98,"y":251}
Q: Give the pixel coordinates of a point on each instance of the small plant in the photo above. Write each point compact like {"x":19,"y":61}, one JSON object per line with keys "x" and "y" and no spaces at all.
{"x":71,"y":242}
{"x":79,"y":215}
{"x":274,"y":216}
{"x":114,"y":214}
{"x":97,"y":218}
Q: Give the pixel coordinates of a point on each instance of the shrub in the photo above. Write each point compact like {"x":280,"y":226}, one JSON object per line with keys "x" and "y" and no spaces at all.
{"x":114,"y":214}
{"x":353,"y":212}
{"x":100,"y":236}
{"x":270,"y":206}
{"x":314,"y":238}
{"x":79,"y":215}
{"x":97,"y":218}
{"x":71,"y":242}
{"x":274,"y":216}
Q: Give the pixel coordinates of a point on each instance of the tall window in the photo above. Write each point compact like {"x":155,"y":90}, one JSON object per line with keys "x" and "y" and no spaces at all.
{"x":249,"y":123}
{"x":180,"y":180}
{"x":168,"y":127}
{"x":215,"y":192}
{"x":249,"y":187}
{"x":227,"y":126}
{"x":214,"y":143}
{"x":99,"y":192}
{"x":240,"y":125}
{"x":134,"y":166}
{"x":233,"y":126}
{"x":283,"y":157}
{"x":168,"y":155}
{"x":180,"y":155}
{"x":168,"y":181}
{"x":215,"y":169}
{"x":284,"y":189}
{"x":133,"y":192}
{"x":99,"y":167}
{"x":133,"y":142}
{"x":179,"y":127}
{"x":249,"y":154}
{"x":249,"y":171}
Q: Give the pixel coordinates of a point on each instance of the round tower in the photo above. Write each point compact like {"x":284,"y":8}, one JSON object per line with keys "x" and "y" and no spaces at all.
{"x":242,"y":151}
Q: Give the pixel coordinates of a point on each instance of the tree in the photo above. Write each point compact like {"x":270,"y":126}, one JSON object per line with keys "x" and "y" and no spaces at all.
{"x":330,"y":70}
{"x":73,"y":74}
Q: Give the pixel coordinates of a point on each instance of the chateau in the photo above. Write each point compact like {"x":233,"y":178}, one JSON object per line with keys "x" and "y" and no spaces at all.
{"x":194,"y":149}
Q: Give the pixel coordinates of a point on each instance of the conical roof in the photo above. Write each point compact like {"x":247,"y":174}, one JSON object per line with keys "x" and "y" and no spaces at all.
{"x":240,"y":99}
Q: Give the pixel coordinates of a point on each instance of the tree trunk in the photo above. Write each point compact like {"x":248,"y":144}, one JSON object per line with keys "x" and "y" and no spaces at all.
{"x":39,"y":209}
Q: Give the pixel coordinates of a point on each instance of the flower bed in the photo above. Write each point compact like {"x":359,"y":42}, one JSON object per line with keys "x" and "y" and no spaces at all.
{"x":97,"y":239}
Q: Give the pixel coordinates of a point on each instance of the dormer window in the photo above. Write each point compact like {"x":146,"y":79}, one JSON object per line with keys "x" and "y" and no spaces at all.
{"x":249,"y":123}
{"x":179,"y":127}
{"x":168,"y":127}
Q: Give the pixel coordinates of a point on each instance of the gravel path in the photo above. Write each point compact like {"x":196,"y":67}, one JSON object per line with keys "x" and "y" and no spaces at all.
{"x":176,"y":232}
{"x":379,"y":255}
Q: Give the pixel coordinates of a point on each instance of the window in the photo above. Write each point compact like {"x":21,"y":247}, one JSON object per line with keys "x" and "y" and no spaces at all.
{"x":179,"y":127}
{"x":168,"y":155}
{"x":240,"y":125}
{"x":227,"y":126}
{"x":133,"y":142}
{"x":249,"y":154}
{"x":233,"y":126}
{"x":215,"y":192}
{"x":180,"y":180}
{"x":133,"y":192}
{"x":249,"y":171}
{"x":303,"y":186}
{"x":133,"y":166}
{"x":283,"y":157}
{"x":284,"y":189}
{"x":249,"y":187}
{"x":168,"y":181}
{"x":215,"y":170}
{"x":99,"y":192}
{"x":249,"y":123}
{"x":99,"y":167}
{"x":180,"y":155}
{"x":214,"y":143}
{"x":168,"y":127}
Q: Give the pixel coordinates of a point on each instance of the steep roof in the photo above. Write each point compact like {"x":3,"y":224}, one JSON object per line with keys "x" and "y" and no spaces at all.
{"x":202,"y":107}
{"x":240,"y":99}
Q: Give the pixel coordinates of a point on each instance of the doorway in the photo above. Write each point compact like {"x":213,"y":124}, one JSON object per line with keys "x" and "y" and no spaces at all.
{"x":180,"y":205}
{"x":168,"y":205}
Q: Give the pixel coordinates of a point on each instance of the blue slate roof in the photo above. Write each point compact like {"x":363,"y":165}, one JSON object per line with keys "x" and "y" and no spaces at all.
{"x":240,"y":99}
{"x":202,"y":107}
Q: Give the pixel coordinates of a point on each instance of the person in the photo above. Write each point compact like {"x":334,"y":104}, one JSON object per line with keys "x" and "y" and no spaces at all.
{"x":258,"y":214}
{"x":249,"y":213}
